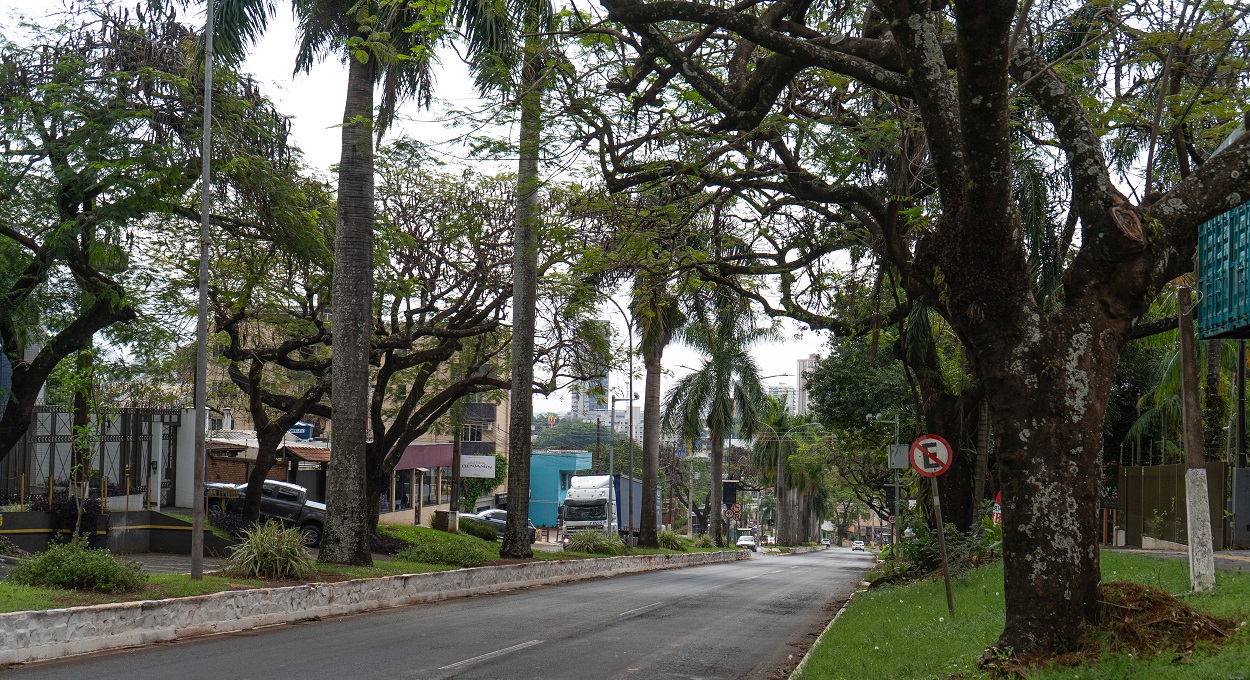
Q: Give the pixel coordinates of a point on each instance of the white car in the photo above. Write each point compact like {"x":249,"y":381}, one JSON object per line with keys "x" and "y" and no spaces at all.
{"x":746,"y":542}
{"x":825,"y":542}
{"x":858,"y":545}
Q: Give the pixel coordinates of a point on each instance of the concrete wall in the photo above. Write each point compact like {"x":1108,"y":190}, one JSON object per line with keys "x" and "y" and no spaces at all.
{"x":56,"y":633}
{"x":546,"y":492}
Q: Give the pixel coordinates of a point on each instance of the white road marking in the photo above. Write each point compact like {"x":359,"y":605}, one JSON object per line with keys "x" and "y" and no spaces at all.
{"x":638,"y":609}
{"x":490,"y":655}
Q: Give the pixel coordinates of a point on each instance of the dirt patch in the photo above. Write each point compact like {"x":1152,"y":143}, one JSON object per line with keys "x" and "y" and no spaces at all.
{"x":1136,"y":620}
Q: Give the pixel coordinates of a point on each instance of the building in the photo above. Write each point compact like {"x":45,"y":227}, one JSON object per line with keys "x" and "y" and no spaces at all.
{"x":549,"y":483}
{"x":588,"y":399}
{"x":786,"y":395}
{"x":804,"y":367}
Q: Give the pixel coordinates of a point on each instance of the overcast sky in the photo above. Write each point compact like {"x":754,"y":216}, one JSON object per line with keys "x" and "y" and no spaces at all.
{"x":315,"y":103}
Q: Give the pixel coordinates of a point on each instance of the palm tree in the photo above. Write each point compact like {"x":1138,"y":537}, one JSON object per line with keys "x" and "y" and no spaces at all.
{"x":658,"y":316}
{"x":388,"y":44}
{"x":778,"y":437}
{"x":725,"y":394}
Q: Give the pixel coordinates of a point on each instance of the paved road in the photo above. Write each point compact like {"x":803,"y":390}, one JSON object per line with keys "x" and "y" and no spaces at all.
{"x":1227,"y":560}
{"x":749,"y":619}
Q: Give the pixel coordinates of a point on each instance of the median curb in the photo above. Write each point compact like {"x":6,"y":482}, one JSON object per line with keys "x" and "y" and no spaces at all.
{"x":55,"y":633}
{"x":803,"y":662}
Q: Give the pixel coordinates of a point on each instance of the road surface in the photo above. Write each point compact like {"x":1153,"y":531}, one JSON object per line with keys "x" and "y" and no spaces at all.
{"x":750,"y":619}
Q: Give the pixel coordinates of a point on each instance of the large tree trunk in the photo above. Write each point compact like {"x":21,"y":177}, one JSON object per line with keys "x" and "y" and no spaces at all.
{"x":516,"y":542}
{"x":716,"y":521}
{"x":650,"y":446}
{"x":347,"y":527}
{"x":267,"y":440}
{"x":1052,"y":403}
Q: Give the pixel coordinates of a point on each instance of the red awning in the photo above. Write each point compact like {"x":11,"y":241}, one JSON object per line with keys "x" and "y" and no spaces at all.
{"x":312,"y":454}
{"x":425,"y":455}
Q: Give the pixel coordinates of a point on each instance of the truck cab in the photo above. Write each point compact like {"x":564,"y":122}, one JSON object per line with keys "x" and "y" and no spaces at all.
{"x":591,"y":504}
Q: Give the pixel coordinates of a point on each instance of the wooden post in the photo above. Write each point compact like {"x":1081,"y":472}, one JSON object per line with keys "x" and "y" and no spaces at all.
{"x":946,"y":571}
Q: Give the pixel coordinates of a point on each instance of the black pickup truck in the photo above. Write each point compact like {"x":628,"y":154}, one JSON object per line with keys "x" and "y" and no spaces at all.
{"x":285,"y":502}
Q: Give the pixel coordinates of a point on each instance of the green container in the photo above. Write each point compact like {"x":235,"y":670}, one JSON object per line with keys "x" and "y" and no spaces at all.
{"x":1224,"y":275}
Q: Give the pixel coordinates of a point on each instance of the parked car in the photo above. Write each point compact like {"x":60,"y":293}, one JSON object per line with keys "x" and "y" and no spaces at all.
{"x":747,"y":543}
{"x":825,"y":542}
{"x":288,"y":503}
{"x":858,"y":545}
{"x":498,"y":520}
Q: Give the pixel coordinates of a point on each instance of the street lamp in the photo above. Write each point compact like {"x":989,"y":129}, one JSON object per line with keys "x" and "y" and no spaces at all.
{"x":629,"y":329}
{"x":880,"y":418}
{"x":611,"y":449}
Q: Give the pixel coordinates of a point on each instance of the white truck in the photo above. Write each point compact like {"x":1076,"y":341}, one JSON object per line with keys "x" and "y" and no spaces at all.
{"x":597,"y":502}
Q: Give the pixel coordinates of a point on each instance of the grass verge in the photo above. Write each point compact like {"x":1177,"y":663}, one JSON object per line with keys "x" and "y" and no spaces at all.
{"x":24,"y":598}
{"x":906,"y":632}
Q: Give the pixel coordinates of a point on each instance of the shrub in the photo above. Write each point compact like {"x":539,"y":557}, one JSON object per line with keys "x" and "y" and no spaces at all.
{"x":449,"y":549}
{"x":387,"y":545}
{"x":9,"y":549}
{"x":482,"y":531}
{"x":597,"y":543}
{"x":669,"y":540}
{"x":270,"y":551}
{"x":64,"y":509}
{"x":704,"y":541}
{"x":75,"y":566}
{"x":232,"y":523}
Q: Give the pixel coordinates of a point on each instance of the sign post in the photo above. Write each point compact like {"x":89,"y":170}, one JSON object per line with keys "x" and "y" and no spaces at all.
{"x":930,"y":456}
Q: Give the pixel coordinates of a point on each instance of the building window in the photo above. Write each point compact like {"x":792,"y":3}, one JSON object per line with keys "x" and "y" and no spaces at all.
{"x":446,"y":490}
{"x":427,"y":488}
{"x":215,"y":423}
{"x":472,"y":433}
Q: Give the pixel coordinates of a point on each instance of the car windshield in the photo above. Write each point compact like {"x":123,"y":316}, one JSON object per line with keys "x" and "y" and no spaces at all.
{"x":585,"y":513}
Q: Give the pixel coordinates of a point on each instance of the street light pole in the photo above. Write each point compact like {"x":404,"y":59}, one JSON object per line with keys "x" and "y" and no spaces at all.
{"x":629,"y":329}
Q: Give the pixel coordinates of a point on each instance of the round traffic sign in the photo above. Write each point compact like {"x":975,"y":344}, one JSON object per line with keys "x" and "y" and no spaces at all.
{"x":930,"y":455}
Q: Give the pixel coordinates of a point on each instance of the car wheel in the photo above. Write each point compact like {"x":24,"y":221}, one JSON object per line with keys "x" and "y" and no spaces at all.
{"x":312,"y":535}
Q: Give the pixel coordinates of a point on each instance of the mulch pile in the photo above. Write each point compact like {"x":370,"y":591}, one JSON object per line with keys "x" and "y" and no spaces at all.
{"x":1137,"y":620}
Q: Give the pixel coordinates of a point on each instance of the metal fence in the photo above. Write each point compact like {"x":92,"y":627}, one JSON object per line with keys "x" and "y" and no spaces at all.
{"x":132,"y":448}
{"x":1152,"y":502}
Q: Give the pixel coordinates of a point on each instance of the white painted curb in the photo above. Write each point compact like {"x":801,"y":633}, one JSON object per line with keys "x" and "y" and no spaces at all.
{"x":56,"y":633}
{"x":803,"y":662}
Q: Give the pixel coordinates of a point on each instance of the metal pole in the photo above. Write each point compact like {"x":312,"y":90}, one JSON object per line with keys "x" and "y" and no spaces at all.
{"x":612,"y":438}
{"x":946,"y":572}
{"x":201,"y":329}
{"x":1241,"y":403}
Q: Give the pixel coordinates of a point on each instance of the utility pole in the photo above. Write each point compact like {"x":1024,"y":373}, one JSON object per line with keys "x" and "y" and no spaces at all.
{"x":201,"y":326}
{"x":1197,"y":499}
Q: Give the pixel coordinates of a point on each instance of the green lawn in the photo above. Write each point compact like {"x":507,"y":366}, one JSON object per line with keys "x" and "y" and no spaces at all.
{"x":21,"y":598}
{"x":905,"y":631}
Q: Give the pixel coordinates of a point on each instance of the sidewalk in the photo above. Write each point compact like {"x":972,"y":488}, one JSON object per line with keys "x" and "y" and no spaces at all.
{"x":1225,"y":560}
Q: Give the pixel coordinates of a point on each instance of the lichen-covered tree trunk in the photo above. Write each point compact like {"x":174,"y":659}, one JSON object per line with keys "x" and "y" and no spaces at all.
{"x":267,"y":441}
{"x":347,"y":527}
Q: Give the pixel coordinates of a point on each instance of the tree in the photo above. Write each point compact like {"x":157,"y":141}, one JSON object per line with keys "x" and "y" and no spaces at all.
{"x":392,"y":44}
{"x":658,"y":316}
{"x":99,"y":117}
{"x":725,"y":395}
{"x":970,"y":77}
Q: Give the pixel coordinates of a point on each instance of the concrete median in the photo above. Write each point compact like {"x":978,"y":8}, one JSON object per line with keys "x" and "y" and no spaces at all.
{"x":56,"y":633}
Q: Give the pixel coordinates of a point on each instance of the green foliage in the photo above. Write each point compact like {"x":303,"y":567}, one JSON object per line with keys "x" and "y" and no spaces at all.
{"x":704,"y":541}
{"x":473,"y":488}
{"x":456,"y":550}
{"x":75,"y":566}
{"x":850,"y":383}
{"x":571,"y":436}
{"x":671,"y":540}
{"x":477,"y":529}
{"x":597,"y":543}
{"x":270,"y":551}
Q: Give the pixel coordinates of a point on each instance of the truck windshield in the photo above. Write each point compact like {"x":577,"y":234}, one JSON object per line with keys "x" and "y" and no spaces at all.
{"x":585,"y":513}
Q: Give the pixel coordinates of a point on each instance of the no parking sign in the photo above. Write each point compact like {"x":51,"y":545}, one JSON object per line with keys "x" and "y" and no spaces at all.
{"x":930,"y":455}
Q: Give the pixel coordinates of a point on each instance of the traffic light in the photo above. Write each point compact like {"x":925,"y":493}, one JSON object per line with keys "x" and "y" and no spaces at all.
{"x":729,"y":492}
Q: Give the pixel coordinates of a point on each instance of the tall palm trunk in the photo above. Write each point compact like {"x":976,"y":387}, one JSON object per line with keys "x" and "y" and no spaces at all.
{"x":716,"y":521}
{"x":647,"y":535}
{"x":524,"y":290}
{"x":783,"y":516}
{"x":347,"y":527}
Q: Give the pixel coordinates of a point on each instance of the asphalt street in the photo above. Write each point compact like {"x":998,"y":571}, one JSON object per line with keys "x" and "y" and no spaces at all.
{"x":751,"y":619}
